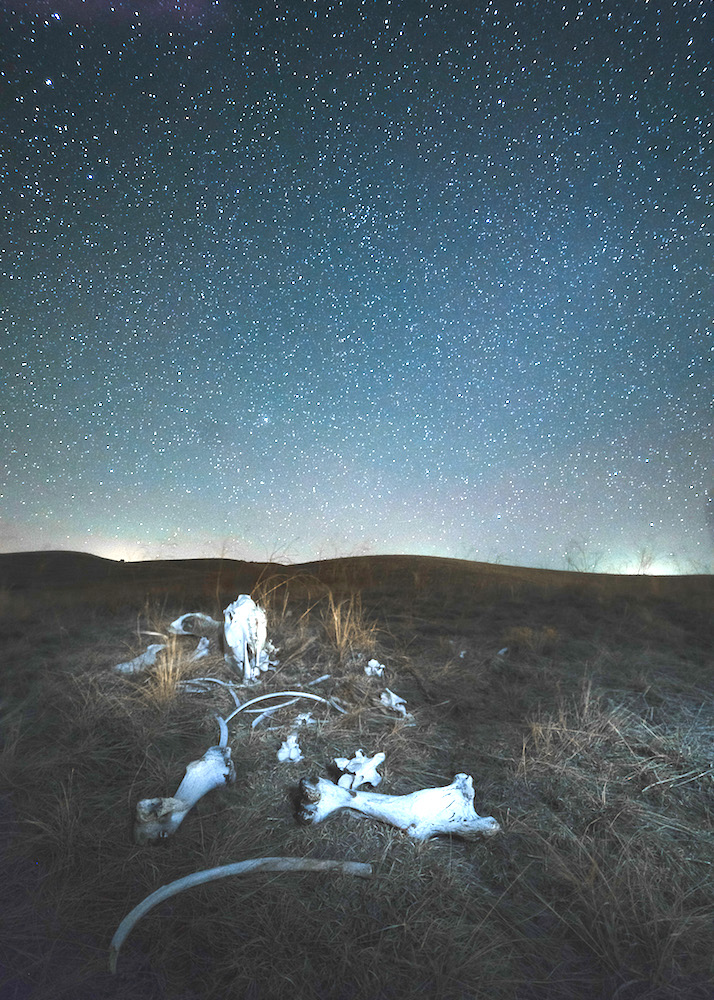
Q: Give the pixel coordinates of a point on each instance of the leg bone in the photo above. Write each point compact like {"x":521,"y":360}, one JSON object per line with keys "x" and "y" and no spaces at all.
{"x":159,"y":818}
{"x":423,"y":814}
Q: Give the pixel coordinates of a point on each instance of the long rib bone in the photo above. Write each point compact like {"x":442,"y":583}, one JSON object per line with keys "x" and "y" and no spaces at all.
{"x":239,"y":868}
{"x":422,"y":814}
{"x":159,"y":818}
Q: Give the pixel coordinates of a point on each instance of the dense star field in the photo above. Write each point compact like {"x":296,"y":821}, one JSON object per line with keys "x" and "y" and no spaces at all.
{"x":307,"y":278}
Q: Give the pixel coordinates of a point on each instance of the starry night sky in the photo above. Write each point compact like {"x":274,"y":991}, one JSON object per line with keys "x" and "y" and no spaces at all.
{"x":303,"y":279}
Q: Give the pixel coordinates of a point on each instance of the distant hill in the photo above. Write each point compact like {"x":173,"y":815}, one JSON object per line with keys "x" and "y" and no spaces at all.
{"x":371,"y":575}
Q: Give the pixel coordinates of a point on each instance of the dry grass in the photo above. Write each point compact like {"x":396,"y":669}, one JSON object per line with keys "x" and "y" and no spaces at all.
{"x":591,"y":741}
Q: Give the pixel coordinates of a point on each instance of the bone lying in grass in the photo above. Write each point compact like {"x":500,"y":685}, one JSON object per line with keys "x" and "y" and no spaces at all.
{"x":290,"y":750}
{"x":391,"y":700}
{"x":196,"y":623}
{"x":200,"y":685}
{"x":361,"y":770}
{"x":246,"y":640}
{"x":239,"y":868}
{"x":423,"y":814}
{"x":139,"y":663}
{"x":293,"y":695}
{"x":159,"y":818}
{"x":374,"y":669}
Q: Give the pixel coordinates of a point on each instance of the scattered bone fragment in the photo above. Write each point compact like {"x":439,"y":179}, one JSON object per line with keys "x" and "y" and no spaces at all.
{"x":159,"y":818}
{"x":374,"y":669}
{"x":360,"y":770}
{"x":391,"y":700}
{"x":422,"y":814}
{"x":139,"y":663}
{"x":290,"y":750}
{"x":196,"y":623}
{"x":502,"y":652}
{"x":319,"y":680}
{"x":202,"y":649}
{"x":212,"y":874}
{"x":304,"y":719}
{"x":246,"y":639}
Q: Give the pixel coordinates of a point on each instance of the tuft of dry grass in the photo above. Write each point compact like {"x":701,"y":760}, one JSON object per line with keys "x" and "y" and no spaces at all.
{"x":346,"y":628}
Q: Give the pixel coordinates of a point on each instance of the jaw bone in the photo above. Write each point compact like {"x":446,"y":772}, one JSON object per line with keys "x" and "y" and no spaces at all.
{"x":159,"y":818}
{"x":423,"y":814}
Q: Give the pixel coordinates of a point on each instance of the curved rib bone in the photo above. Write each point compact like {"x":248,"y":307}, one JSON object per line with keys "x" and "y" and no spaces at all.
{"x":159,"y":818}
{"x":239,"y":868}
{"x":422,"y":814}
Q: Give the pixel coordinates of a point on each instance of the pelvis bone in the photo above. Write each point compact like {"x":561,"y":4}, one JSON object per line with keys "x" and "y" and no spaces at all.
{"x":422,"y":814}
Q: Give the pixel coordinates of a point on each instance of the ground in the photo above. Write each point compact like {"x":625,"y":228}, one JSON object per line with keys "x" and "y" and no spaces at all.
{"x":581,"y":704}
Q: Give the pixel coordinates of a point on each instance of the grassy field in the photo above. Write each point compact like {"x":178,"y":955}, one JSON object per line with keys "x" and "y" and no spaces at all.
{"x":590,"y":740}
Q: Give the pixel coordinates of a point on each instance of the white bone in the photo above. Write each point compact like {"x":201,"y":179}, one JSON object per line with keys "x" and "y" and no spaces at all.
{"x":304,"y":719}
{"x":374,"y":669}
{"x":198,"y":685}
{"x":360,"y":770}
{"x":290,"y":750}
{"x":201,"y":649}
{"x":423,"y":814}
{"x":222,"y":732}
{"x":391,"y":700}
{"x":211,"y":874}
{"x":159,"y":818}
{"x":267,"y":712}
{"x":245,"y":634}
{"x":284,"y":694}
{"x":195,"y":623}
{"x":139,"y":663}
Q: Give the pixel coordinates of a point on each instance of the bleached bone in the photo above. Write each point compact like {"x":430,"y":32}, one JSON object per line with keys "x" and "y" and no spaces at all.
{"x":245,"y":634}
{"x":222,"y":732}
{"x":391,"y":700}
{"x":201,"y":649}
{"x":422,"y":814}
{"x":290,"y":750}
{"x":247,"y":705}
{"x":304,"y":719}
{"x":196,"y":623}
{"x":374,"y":669}
{"x":199,"y":685}
{"x":319,"y":680}
{"x":211,"y":874}
{"x":360,"y":770}
{"x":139,"y":663}
{"x":159,"y":818}
{"x":266,"y":713}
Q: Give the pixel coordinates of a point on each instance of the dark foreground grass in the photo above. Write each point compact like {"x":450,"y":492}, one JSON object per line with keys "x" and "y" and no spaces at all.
{"x":591,"y":740}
